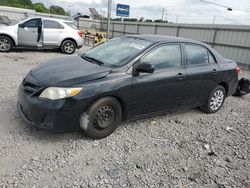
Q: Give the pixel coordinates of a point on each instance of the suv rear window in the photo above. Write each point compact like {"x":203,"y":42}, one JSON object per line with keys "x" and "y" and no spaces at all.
{"x":49,"y":24}
{"x":71,"y":24}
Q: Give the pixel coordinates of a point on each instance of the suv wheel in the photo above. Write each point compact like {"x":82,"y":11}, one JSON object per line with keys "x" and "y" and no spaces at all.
{"x":6,"y":44}
{"x":101,"y":118}
{"x":68,"y":47}
{"x":215,"y":100}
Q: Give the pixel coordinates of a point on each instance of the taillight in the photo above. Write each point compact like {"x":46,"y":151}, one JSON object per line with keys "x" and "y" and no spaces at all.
{"x":81,"y":33}
{"x":237,"y":69}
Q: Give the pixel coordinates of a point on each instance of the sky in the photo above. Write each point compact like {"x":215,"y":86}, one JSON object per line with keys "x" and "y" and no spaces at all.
{"x":180,"y":11}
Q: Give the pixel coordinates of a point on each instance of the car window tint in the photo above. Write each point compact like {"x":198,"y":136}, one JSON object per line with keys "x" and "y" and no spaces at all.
{"x":196,"y":54}
{"x":52,"y":24}
{"x":164,"y":57}
{"x":34,"y":23}
{"x":211,"y":58}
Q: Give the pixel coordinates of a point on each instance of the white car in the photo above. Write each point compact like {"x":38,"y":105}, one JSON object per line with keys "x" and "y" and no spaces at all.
{"x":41,"y":32}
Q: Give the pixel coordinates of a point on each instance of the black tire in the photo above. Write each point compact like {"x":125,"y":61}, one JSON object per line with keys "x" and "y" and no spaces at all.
{"x":6,"y":44}
{"x":101,"y":118}
{"x":68,"y":47}
{"x":213,"y":108}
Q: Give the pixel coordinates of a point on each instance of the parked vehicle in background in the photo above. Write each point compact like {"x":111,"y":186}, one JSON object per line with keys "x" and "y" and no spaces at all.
{"x":128,"y":77}
{"x":37,"y":32}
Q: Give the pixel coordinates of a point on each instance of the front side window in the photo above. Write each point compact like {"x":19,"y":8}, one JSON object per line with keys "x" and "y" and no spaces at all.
{"x":168,"y":56}
{"x":119,"y":51}
{"x":34,"y":23}
{"x":48,"y":24}
{"x":196,"y":54}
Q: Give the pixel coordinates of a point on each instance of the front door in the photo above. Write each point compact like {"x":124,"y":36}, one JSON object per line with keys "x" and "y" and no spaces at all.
{"x":29,"y":32}
{"x":164,"y":89}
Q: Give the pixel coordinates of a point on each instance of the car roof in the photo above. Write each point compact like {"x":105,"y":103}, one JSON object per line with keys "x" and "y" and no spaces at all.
{"x":164,"y":38}
{"x":52,"y":19}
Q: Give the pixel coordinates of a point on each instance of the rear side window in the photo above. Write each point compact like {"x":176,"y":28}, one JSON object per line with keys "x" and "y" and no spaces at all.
{"x":168,"y":56}
{"x":196,"y":54}
{"x":48,"y":24}
{"x":34,"y":23}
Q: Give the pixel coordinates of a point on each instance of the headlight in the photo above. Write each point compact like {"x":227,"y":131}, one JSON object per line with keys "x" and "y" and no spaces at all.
{"x":59,"y":92}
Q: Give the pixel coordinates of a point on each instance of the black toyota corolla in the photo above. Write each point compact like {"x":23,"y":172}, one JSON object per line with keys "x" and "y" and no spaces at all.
{"x":126,"y":78}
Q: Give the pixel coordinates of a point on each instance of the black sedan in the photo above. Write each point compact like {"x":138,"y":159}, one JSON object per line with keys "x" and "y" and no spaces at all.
{"x":126,"y":78}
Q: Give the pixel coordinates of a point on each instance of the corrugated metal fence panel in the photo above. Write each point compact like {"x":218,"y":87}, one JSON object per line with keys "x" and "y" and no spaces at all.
{"x":171,"y":31}
{"x":131,"y":29}
{"x":146,"y":29}
{"x":239,"y":38}
{"x":119,"y":27}
{"x":197,"y":34}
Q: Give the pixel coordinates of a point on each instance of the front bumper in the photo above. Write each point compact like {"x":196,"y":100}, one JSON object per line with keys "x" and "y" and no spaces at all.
{"x":55,"y":115}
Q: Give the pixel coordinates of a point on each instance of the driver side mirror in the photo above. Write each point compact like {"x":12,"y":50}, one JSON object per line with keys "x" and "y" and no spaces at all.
{"x":145,"y":68}
{"x":21,"y":25}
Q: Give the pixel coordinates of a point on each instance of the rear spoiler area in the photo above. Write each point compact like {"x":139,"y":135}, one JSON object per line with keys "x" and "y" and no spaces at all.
{"x":77,"y":16}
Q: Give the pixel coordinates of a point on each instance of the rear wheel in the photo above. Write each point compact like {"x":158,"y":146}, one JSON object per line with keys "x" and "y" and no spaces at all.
{"x":215,"y":100}
{"x":6,"y":44}
{"x":68,"y":47}
{"x":101,"y":118}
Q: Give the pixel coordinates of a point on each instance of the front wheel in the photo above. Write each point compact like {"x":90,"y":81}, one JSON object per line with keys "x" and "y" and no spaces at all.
{"x":215,"y":100}
{"x":68,"y":47}
{"x":6,"y":44}
{"x":101,"y":118}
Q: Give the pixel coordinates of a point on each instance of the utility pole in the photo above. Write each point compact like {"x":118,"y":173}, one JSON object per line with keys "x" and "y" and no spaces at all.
{"x":109,"y":17}
{"x":162,"y":16}
{"x":214,"y":19}
{"x":176,"y":21}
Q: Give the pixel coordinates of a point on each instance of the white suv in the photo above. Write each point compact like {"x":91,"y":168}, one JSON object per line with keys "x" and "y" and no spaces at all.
{"x":41,"y":33}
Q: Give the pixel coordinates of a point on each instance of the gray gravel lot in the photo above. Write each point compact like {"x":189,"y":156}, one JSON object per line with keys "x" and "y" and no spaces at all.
{"x":182,"y":149}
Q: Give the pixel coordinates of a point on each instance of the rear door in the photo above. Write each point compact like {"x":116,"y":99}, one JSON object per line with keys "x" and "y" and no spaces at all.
{"x":202,"y":72}
{"x":52,"y":32}
{"x":163,"y":89}
{"x":28,"y":32}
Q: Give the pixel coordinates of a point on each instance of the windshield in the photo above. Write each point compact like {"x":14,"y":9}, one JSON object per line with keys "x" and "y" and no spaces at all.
{"x":118,"y":52}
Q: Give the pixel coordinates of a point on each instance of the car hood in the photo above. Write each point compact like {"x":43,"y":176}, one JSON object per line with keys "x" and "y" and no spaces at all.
{"x":68,"y":71}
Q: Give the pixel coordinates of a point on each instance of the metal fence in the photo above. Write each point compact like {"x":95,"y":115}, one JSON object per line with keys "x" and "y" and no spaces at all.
{"x":232,"y":41}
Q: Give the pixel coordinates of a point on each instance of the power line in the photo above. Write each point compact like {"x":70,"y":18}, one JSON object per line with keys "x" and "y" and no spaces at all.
{"x":225,"y":6}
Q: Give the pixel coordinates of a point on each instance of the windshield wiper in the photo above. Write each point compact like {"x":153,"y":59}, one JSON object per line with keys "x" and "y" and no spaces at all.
{"x":92,"y":59}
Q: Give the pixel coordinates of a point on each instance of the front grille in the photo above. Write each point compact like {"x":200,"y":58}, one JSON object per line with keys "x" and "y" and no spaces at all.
{"x":31,"y":89}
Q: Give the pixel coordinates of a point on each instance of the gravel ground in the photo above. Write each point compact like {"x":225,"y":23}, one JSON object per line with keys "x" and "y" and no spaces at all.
{"x":182,"y":149}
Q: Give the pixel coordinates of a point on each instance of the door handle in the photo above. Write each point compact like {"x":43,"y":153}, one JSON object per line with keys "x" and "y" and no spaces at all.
{"x":180,"y":76}
{"x":214,"y":71}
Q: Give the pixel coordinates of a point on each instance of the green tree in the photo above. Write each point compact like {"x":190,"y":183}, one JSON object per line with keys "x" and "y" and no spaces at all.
{"x":57,"y":10}
{"x":161,"y":21}
{"x":17,"y":3}
{"x":39,"y":7}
